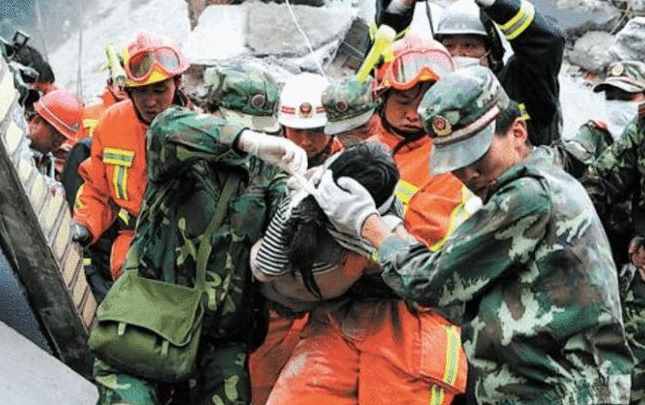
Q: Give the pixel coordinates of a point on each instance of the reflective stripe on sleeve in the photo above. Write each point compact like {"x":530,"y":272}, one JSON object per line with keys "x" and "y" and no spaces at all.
{"x":520,"y":21}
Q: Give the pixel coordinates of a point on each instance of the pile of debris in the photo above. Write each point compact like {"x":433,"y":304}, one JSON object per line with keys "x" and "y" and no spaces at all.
{"x":612,"y":31}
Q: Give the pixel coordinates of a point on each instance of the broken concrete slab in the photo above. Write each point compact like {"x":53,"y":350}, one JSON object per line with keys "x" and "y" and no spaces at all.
{"x":31,"y":376}
{"x":272,"y":31}
{"x":590,"y":51}
{"x":638,"y":5}
{"x":585,"y":6}
{"x":630,"y":41}
{"x":576,"y":17}
{"x":220,"y":34}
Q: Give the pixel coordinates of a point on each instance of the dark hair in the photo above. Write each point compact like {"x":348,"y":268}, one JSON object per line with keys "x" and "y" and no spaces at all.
{"x":506,"y":118}
{"x":29,"y":56}
{"x":372,"y":166}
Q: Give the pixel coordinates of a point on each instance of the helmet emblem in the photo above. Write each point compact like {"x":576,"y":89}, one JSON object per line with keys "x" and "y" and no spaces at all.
{"x":341,"y":106}
{"x":617,"y":70}
{"x":441,"y":126}
{"x":258,"y":101}
{"x":305,"y":110}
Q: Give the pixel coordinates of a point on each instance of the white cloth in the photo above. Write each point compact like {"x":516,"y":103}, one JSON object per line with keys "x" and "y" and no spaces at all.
{"x":619,"y":113}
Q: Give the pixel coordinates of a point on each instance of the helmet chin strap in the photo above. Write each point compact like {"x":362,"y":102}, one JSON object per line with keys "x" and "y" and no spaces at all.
{"x":408,"y":137}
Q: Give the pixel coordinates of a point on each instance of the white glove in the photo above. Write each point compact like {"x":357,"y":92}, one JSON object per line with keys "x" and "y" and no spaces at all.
{"x":313,"y":175}
{"x":346,"y":204}
{"x":274,"y":150}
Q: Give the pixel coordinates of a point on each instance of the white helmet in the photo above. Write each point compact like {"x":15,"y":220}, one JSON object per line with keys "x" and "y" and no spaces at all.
{"x":300,"y":102}
{"x":460,"y":18}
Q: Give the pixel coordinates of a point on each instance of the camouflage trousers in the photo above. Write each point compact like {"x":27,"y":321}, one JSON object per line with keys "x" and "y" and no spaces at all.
{"x":635,"y":332}
{"x":634,"y":318}
{"x":222,"y":378}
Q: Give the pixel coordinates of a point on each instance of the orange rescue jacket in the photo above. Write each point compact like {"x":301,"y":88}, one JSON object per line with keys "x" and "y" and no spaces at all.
{"x":118,"y":176}
{"x":434,"y":204}
{"x":92,"y":113}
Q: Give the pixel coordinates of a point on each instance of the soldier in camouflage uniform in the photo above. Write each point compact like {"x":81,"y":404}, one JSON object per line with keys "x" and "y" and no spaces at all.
{"x":623,"y":86}
{"x":189,"y":157}
{"x":350,"y":107}
{"x":615,"y":178}
{"x":245,"y":94}
{"x":538,"y":326}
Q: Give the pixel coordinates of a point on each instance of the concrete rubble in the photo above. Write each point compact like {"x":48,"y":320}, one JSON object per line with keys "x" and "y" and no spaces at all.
{"x":630,"y":41}
{"x":30,"y":376}
{"x":259,"y":30}
{"x":590,"y":51}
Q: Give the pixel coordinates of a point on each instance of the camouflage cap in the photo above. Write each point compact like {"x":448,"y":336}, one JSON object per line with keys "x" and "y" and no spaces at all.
{"x":348,"y":104}
{"x":627,"y":75}
{"x":458,"y":112}
{"x":246,"y":95}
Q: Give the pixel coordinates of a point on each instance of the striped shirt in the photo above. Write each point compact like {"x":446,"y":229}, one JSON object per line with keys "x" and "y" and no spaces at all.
{"x":272,"y":257}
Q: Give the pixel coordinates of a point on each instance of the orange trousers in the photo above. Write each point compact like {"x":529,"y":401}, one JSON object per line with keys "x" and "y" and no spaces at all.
{"x":120,"y":248}
{"x":268,"y":360}
{"x":373,"y":353}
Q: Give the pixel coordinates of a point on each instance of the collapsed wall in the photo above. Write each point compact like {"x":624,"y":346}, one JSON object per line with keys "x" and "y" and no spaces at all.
{"x":44,"y":266}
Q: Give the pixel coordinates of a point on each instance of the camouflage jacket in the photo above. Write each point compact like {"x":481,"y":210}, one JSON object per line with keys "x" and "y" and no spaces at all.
{"x":516,"y":276}
{"x":189,"y":158}
{"x":618,"y":175}
{"x":577,"y":153}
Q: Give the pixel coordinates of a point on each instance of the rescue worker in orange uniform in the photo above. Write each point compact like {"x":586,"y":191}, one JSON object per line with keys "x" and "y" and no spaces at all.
{"x":434,"y":205}
{"x":370,"y":336}
{"x":302,"y":115}
{"x":361,"y":344}
{"x":112,"y":94}
{"x":56,"y":119}
{"x":117,"y":178}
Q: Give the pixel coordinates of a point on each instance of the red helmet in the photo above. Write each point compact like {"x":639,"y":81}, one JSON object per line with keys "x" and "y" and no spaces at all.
{"x":152,"y":59}
{"x":411,"y":60}
{"x":63,"y":111}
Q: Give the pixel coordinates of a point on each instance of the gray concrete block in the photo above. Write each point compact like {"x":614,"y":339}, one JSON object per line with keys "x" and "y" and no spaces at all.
{"x":220,"y":34}
{"x":30,"y":376}
{"x":630,"y":41}
{"x":271,"y":30}
{"x":590,"y":51}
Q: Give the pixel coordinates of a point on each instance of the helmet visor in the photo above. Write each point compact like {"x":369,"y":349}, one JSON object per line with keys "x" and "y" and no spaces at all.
{"x":407,"y":70}
{"x":141,"y":64}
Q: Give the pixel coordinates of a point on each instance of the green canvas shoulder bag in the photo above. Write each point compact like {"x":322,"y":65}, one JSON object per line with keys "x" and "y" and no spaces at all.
{"x":150,"y":328}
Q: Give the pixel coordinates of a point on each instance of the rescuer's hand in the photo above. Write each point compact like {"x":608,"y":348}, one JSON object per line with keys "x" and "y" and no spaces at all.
{"x":274,"y":150}
{"x":346,"y":203}
{"x":637,"y":254}
{"x":80,"y":233}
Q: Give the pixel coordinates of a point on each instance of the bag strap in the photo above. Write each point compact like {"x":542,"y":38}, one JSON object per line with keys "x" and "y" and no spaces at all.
{"x":205,"y":247}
